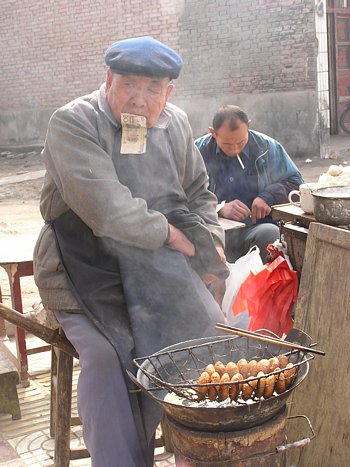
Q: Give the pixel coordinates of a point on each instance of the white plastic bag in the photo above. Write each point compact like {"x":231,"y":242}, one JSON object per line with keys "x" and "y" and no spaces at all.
{"x":239,"y":271}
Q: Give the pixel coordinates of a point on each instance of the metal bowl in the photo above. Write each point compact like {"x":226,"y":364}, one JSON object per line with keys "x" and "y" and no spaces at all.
{"x":332,"y":205}
{"x":222,"y":418}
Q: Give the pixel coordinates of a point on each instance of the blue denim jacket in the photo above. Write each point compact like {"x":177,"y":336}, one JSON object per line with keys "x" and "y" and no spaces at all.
{"x":277,"y":174}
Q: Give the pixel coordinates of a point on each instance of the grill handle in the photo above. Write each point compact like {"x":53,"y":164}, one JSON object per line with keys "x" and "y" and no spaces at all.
{"x":135,"y":381}
{"x":297,"y":444}
{"x":141,"y":388}
{"x":301,"y":442}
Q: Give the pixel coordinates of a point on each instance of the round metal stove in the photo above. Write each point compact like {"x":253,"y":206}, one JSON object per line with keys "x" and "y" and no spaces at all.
{"x":250,"y":447}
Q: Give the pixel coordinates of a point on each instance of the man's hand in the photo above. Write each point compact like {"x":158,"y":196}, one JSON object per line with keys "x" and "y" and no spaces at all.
{"x":260,"y":209}
{"x":178,"y":241}
{"x":235,"y":210}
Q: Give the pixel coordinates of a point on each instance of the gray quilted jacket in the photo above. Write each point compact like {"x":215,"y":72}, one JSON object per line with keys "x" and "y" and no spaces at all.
{"x":82,"y":176}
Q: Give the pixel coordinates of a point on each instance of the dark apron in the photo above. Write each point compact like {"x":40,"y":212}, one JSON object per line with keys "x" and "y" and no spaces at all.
{"x":140,"y":300}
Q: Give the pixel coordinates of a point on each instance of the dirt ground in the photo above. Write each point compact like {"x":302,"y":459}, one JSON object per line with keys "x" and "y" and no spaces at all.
{"x":21,"y":178}
{"x":19,"y":198}
{"x":19,"y":211}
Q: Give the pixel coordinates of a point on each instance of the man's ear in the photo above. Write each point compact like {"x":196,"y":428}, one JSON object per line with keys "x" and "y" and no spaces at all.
{"x":169,"y":90}
{"x":109,"y":78}
{"x":212,"y":132}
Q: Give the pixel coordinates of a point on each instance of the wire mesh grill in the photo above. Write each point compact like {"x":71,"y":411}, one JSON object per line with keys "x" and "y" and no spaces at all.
{"x":178,"y":370}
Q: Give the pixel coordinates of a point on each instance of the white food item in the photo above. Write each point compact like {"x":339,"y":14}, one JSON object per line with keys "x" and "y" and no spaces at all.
{"x":172,"y":398}
{"x":336,"y":175}
{"x":335,"y":170}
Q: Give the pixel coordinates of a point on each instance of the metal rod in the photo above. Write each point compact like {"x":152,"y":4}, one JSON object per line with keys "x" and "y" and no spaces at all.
{"x":270,"y":340}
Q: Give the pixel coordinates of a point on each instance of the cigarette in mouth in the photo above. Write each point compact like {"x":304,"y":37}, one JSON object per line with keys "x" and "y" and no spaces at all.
{"x":240,"y":161}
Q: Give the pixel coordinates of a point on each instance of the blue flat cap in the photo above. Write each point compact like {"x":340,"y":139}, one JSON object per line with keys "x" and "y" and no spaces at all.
{"x":143,"y":56}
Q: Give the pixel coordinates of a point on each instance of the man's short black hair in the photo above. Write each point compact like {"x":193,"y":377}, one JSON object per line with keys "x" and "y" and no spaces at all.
{"x":233,"y":114}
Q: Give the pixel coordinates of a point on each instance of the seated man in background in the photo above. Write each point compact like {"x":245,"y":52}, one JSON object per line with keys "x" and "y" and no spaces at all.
{"x":250,"y":172}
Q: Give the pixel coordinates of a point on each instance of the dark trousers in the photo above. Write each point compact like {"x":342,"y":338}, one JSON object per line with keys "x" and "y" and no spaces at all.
{"x":109,"y":430}
{"x":239,"y":241}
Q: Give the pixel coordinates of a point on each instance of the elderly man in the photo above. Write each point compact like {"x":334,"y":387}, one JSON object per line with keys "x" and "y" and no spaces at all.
{"x":249,"y":172}
{"x":131,"y":236}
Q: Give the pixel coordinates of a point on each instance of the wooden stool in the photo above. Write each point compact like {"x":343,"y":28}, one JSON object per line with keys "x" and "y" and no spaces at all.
{"x":16,"y":258}
{"x":62,"y":355}
{"x":8,"y":390}
{"x":61,"y":405}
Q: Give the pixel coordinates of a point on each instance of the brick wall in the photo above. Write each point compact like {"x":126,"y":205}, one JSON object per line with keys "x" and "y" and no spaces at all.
{"x":53,"y":49}
{"x":248,"y":46}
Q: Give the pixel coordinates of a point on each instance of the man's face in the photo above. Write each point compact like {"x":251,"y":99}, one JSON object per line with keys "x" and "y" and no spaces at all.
{"x":138,"y":95}
{"x":231,"y":142}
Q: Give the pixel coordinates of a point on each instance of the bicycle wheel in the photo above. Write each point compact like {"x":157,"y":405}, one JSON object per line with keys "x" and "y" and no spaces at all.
{"x":345,"y":121}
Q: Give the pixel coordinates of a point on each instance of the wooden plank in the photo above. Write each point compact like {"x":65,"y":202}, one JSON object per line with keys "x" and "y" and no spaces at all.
{"x":45,"y":333}
{"x":323,"y":312}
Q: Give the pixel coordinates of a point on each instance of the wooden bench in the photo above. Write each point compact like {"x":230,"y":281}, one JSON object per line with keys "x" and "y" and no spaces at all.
{"x":9,"y":379}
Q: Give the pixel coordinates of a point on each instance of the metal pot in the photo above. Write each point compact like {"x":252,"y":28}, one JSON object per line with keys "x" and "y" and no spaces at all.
{"x":332,"y":205}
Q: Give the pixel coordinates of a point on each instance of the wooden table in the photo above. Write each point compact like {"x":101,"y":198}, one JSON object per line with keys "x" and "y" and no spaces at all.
{"x":291,"y":213}
{"x":228,"y":224}
{"x":16,"y":257}
{"x":295,"y":228}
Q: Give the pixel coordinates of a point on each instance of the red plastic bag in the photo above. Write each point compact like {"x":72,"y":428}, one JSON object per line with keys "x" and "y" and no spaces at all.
{"x":269,"y":297}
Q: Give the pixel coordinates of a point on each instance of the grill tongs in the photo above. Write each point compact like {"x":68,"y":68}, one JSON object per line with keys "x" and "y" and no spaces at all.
{"x":269,"y":340}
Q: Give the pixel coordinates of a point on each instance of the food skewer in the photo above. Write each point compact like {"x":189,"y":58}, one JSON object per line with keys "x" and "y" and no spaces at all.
{"x":270,"y":340}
